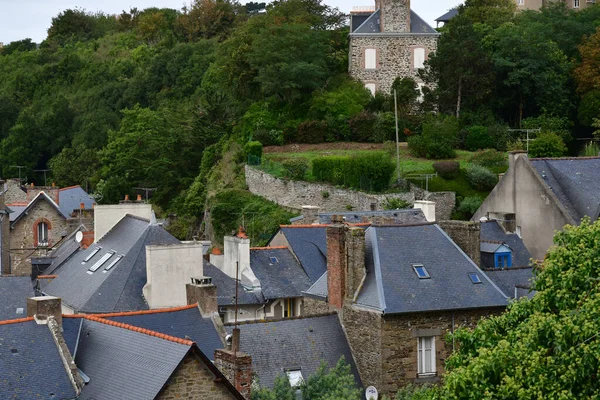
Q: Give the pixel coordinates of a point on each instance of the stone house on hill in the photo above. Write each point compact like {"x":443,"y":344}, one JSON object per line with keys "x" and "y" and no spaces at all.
{"x":388,"y":41}
{"x":541,"y":196}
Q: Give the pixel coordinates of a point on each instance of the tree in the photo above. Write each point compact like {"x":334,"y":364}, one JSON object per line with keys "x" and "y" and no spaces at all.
{"x":493,"y":13}
{"x":19,"y":45}
{"x":74,"y":166}
{"x":544,"y":347}
{"x":208,"y":18}
{"x":587,"y":75}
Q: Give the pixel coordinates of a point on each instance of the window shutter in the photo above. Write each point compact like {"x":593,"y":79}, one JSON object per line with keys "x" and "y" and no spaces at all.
{"x":419,"y":57}
{"x":370,"y":58}
{"x":372,"y":88}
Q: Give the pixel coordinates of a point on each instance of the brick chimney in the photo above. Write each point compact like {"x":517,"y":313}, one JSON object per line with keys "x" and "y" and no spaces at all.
{"x":44,"y":307}
{"x":235,"y":365}
{"x":203,"y":292}
{"x":4,"y":234}
{"x":336,"y":261}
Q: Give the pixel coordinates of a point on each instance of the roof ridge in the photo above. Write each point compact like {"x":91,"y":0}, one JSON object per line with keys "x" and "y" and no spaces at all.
{"x":16,"y":321}
{"x":491,"y":241}
{"x":305,"y":226}
{"x":69,"y":187}
{"x":136,"y":217}
{"x":131,"y":313}
{"x":564,"y":158}
{"x":269,"y":248}
{"x":140,"y":330}
{"x":268,"y":321}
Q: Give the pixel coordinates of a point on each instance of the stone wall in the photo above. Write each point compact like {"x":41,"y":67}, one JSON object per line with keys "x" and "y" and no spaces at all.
{"x":395,"y":15}
{"x":312,"y":307}
{"x":395,"y":53}
{"x":193,"y":380}
{"x":237,"y":368}
{"x":295,"y":194}
{"x":444,"y":202}
{"x":14,"y":193}
{"x":466,"y":235}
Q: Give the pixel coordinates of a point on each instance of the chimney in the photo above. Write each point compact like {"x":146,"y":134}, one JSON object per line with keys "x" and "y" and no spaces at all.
{"x":236,"y":249}
{"x":310,"y":214}
{"x":355,"y":247}
{"x":139,"y":197}
{"x":508,"y":221}
{"x":88,"y":239}
{"x":466,"y":235}
{"x":336,"y":261}
{"x":43,"y":307}
{"x":428,"y":208}
{"x":4,"y":234}
{"x":235,"y":365}
{"x":126,"y":198}
{"x":203,"y":292}
{"x":82,"y":206}
{"x":395,"y":15}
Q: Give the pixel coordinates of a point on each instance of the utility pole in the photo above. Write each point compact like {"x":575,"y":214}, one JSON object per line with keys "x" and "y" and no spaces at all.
{"x":397,"y":138}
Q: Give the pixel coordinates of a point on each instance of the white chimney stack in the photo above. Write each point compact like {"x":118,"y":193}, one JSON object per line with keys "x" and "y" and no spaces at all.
{"x":428,"y":208}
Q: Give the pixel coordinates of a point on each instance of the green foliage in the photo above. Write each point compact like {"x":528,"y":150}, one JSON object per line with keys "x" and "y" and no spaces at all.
{"x":74,"y":166}
{"x":481,"y":177}
{"x":544,"y":347}
{"x":547,"y":145}
{"x":344,"y":101}
{"x":478,"y":138}
{"x":362,"y":127}
{"x":591,"y":149}
{"x":425,"y":392}
{"x":447,"y":169}
{"x":311,"y":132}
{"x":19,"y":45}
{"x":295,"y":168}
{"x":469,"y":206}
{"x":392,"y":203}
{"x":550,"y":124}
{"x":437,"y":140}
{"x":254,"y":149}
{"x":491,"y":159}
{"x":369,"y":172}
{"x":384,"y":128}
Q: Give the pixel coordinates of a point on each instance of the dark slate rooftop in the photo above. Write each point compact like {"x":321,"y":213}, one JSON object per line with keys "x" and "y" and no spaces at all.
{"x":123,"y":364}
{"x":319,"y":289}
{"x":392,"y":286}
{"x":14,"y":291}
{"x":17,"y":209}
{"x":70,"y":198}
{"x":509,"y":279}
{"x":372,"y":24}
{"x":575,"y":182}
{"x":295,"y":344}
{"x":120,"y":288}
{"x":492,"y":231}
{"x":309,"y":245}
{"x":226,"y":288}
{"x":31,"y":365}
{"x":41,"y":196}
{"x":448,"y":16}
{"x":186,"y":323}
{"x":400,"y":217}
{"x":282,"y":277}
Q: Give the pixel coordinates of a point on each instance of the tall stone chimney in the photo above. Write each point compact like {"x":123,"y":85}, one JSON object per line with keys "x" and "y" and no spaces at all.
{"x":355,"y":248}
{"x":43,"y":307}
{"x":203,"y":292}
{"x":395,"y":15}
{"x":336,"y":262}
{"x":236,"y":365}
{"x":310,"y":214}
{"x":4,"y":234}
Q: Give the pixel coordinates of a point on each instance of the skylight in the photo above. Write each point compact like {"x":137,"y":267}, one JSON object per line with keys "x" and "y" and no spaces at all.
{"x":474,"y":278}
{"x":113,"y":263}
{"x":421,"y":271}
{"x":274,"y":260}
{"x":295,"y":377}
{"x":92,"y":254}
{"x":101,"y":261}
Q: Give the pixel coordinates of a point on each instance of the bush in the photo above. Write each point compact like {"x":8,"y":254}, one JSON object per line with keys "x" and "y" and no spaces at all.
{"x":295,"y":168}
{"x":499,"y":135}
{"x":253,"y":150}
{"x":384,"y":127}
{"x":481,"y":178}
{"x":478,"y":138}
{"x":271,"y":137}
{"x":312,"y":132}
{"x":547,"y":145}
{"x":491,"y":159}
{"x":370,"y":172}
{"x":396,"y":204}
{"x":437,"y":140}
{"x":447,"y":169}
{"x":591,"y":149}
{"x":469,"y":206}
{"x":362,"y":127}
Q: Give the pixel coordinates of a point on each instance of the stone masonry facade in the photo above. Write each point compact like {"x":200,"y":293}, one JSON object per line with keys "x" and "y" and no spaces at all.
{"x":395,"y":15}
{"x":395,"y":54}
{"x":193,"y":380}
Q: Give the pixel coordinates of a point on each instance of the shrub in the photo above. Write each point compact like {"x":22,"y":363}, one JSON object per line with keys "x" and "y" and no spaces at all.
{"x":372,"y":172}
{"x":591,"y":149}
{"x":515,"y":145}
{"x":384,"y":127}
{"x":547,"y":145}
{"x":273,"y":137}
{"x":253,"y":150}
{"x":362,"y":127}
{"x":437,"y":140}
{"x":490,"y":159}
{"x":295,"y":168}
{"x":396,"y":204}
{"x":447,"y":169}
{"x":469,"y":206}
{"x":312,"y":132}
{"x":499,"y":135}
{"x":478,"y":138}
{"x":481,"y":178}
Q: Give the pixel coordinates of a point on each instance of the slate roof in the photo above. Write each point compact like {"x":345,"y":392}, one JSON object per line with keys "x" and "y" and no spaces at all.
{"x":70,"y":198}
{"x":295,"y":344}
{"x":575,"y":182}
{"x":17,"y":209}
{"x":492,"y":231}
{"x":119,"y":289}
{"x":280,"y":279}
{"x":31,"y":365}
{"x":226,"y":288}
{"x":39,"y":197}
{"x":448,"y":16}
{"x":14,"y":291}
{"x":319,"y":289}
{"x":392,"y":286}
{"x":372,"y":24}
{"x":510,"y":278}
{"x":309,"y":245}
{"x":182,"y":322}
{"x":400,"y":217}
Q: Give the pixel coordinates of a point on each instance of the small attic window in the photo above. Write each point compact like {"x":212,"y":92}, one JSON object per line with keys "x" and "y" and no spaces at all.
{"x":274,"y":260}
{"x":101,"y":261}
{"x":475,"y":278}
{"x":92,"y":254}
{"x":421,"y":271}
{"x":113,"y":263}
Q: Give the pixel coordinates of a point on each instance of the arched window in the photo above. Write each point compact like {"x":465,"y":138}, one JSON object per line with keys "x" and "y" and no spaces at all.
{"x":42,"y":234}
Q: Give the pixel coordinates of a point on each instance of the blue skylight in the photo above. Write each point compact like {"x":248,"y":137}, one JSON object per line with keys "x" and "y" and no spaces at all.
{"x":474,"y":278}
{"x":273,"y":260}
{"x":421,"y":271}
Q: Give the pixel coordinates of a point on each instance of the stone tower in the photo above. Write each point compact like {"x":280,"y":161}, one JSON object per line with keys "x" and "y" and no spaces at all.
{"x":395,"y":15}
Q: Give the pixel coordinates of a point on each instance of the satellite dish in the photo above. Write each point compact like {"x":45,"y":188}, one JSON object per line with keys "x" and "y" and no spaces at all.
{"x":483,"y":219}
{"x":371,"y":393}
{"x":79,"y":237}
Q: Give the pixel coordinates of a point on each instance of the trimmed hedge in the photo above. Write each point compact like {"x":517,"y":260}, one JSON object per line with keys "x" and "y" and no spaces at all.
{"x":481,"y":178}
{"x":369,"y":172}
{"x":447,"y":169}
{"x":254,"y":149}
{"x":295,"y":168}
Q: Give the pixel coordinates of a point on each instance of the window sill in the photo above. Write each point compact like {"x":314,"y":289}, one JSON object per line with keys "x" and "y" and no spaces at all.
{"x":427,"y":378}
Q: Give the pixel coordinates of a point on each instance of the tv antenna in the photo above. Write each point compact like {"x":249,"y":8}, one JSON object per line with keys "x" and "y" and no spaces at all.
{"x":528,"y":131}
{"x":44,"y":171}
{"x":147,"y":190}
{"x":423,"y":177}
{"x":19,"y":167}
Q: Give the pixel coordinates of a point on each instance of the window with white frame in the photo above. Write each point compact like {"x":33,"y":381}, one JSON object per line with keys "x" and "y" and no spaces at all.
{"x":419,"y":57}
{"x":370,"y":58}
{"x":426,"y":355}
{"x":575,"y":3}
{"x":42,"y":234}
{"x":372,"y":88}
{"x":521,"y":2}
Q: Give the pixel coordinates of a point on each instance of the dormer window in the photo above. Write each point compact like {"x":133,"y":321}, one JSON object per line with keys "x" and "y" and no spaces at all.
{"x":419,"y":57}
